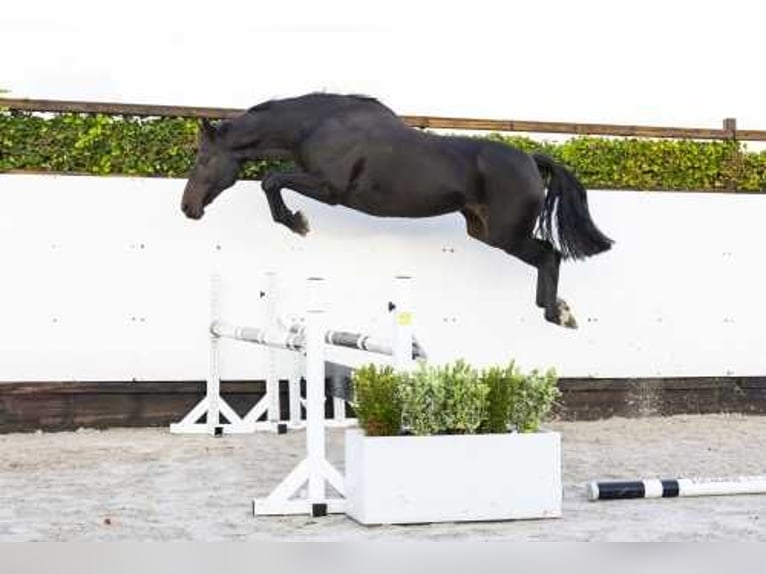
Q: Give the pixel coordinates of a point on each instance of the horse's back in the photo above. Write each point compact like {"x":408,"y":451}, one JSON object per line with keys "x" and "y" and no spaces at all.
{"x":378,"y":164}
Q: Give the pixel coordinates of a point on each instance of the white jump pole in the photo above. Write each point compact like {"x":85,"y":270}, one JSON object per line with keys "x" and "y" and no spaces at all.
{"x":294,"y":394}
{"x":269,"y":404}
{"x":403,"y":324}
{"x":315,"y":471}
{"x":672,"y":488}
{"x":272,"y":381}
{"x":315,"y":386}
{"x":213,"y":387}
{"x":212,"y":405}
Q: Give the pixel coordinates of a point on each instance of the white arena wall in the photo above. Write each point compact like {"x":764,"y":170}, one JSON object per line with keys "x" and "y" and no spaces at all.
{"x":104,"y":279}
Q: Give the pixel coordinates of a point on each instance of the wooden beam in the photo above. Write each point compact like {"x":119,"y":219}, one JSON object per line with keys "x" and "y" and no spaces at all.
{"x":565,"y":128}
{"x":116,"y":109}
{"x":432,"y":122}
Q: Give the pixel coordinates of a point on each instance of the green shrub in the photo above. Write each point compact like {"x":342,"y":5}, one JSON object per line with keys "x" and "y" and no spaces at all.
{"x":447,"y":399}
{"x":103,"y":145}
{"x":498,"y":381}
{"x":377,"y":401}
{"x":452,"y":399}
{"x":532,"y":397}
{"x":465,"y":398}
{"x":516,"y":400}
{"x":654,"y":164}
{"x":423,"y":398}
{"x":165,"y":147}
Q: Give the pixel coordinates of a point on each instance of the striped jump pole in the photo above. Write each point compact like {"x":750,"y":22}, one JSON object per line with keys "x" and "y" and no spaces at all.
{"x":677,"y":487}
{"x":294,"y":339}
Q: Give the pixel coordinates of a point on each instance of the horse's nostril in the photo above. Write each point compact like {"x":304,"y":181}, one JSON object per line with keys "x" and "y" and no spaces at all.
{"x":190,"y":211}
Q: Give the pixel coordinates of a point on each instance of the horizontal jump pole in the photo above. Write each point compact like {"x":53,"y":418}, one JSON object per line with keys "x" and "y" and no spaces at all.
{"x":293,"y":338}
{"x":673,"y":488}
{"x":367,"y":343}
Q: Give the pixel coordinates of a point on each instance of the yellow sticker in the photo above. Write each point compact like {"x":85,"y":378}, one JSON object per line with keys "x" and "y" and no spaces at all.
{"x":404,"y":319}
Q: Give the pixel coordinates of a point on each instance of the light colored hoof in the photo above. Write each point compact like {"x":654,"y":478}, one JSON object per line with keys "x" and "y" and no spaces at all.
{"x":566,"y":317}
{"x":301,"y":224}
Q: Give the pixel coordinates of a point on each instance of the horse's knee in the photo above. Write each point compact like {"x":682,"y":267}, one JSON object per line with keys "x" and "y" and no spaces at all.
{"x":270,"y":183}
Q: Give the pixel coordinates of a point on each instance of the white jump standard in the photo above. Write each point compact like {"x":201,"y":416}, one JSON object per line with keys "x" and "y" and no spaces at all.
{"x":212,"y":405}
{"x":672,"y":488}
{"x":292,"y":338}
{"x":311,"y":339}
{"x":315,"y":471}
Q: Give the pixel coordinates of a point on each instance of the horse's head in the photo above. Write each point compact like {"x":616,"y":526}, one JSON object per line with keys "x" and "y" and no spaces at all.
{"x":215,"y":170}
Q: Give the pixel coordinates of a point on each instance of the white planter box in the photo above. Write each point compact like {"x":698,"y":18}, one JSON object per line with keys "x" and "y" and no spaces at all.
{"x":450,"y":478}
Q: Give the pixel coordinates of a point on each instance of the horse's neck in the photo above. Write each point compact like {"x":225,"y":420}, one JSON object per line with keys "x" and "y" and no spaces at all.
{"x":266,"y":134}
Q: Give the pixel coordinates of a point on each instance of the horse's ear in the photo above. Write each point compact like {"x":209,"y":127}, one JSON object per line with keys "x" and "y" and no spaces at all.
{"x":208,"y":129}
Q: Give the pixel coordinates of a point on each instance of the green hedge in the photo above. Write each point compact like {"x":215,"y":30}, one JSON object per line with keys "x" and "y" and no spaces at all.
{"x":628,"y":163}
{"x":164,"y":147}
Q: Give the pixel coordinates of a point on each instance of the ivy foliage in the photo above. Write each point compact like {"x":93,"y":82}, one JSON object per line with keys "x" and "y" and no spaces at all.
{"x":101,"y":145}
{"x":165,"y":147}
{"x":654,"y":164}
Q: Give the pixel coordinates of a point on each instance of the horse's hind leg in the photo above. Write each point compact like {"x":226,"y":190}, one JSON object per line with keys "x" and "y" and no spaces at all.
{"x":512,"y":201}
{"x":546,"y":259}
{"x":540,"y":254}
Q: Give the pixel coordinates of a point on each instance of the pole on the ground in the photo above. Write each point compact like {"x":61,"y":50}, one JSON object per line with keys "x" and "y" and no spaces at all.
{"x":676,"y":487}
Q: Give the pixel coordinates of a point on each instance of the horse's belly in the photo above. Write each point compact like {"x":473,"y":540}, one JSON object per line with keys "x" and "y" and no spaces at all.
{"x":412,"y":202}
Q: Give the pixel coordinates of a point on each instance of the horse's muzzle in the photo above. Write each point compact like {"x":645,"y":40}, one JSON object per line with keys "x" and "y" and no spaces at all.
{"x":191,"y":212}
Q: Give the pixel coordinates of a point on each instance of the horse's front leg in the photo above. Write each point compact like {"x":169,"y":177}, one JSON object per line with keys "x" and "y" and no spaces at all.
{"x":305,"y":184}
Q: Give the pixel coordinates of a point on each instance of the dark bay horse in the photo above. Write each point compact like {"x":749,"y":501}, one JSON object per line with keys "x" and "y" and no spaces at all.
{"x":354,"y":151}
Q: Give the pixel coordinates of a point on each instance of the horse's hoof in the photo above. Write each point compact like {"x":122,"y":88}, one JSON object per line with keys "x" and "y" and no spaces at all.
{"x":566,"y":317}
{"x":300,"y":223}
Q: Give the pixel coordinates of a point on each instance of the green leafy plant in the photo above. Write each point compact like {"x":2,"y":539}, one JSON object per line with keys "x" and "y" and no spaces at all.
{"x":464,"y":396}
{"x":165,"y":147}
{"x":499,"y":382}
{"x":377,"y":401}
{"x":532,"y":398}
{"x":448,"y":399}
{"x":452,"y":399}
{"x":423,"y":398}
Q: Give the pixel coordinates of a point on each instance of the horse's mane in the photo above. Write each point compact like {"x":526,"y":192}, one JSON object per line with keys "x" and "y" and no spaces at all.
{"x":261,"y":107}
{"x":267,"y":105}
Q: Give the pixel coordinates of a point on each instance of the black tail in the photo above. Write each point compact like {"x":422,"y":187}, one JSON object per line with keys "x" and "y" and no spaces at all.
{"x":578,"y":236}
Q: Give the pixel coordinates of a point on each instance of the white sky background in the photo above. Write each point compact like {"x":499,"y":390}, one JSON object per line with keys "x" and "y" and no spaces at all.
{"x":650,"y":62}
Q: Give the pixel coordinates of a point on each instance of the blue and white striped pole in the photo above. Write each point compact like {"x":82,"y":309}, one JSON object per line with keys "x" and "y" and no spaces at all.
{"x":677,"y":487}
